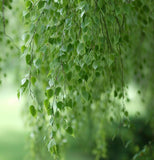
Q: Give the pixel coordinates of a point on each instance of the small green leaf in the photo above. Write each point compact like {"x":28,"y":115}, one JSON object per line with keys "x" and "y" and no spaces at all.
{"x":69,"y":130}
{"x":57,"y":91}
{"x":46,"y":103}
{"x":126,"y":113}
{"x":36,"y":38}
{"x":51,"y":145}
{"x":69,"y":76}
{"x":41,"y":4}
{"x":28,"y":59}
{"x":24,"y":85}
{"x":120,"y":95}
{"x":28,"y":4}
{"x":139,"y":92}
{"x":115,"y":93}
{"x":51,"y":40}
{"x":60,"y":105}
{"x":69,"y":103}
{"x":50,"y":111}
{"x":111,"y":59}
{"x":49,"y":93}
{"x":95,"y":65}
{"x":32,"y":110}
{"x":23,"y":48}
{"x":111,"y":119}
{"x":18,"y":94}
{"x":80,"y":48}
{"x":33,"y":80}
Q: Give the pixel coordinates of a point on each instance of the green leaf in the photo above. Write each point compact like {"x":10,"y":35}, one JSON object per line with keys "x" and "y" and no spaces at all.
{"x":52,"y":40}
{"x":29,"y":4}
{"x":111,"y":119}
{"x":111,"y":59}
{"x":115,"y":93}
{"x":24,"y":85}
{"x":32,"y":110}
{"x":18,"y":94}
{"x":95,"y":65}
{"x":49,"y":93}
{"x":51,"y":145}
{"x":28,"y":59}
{"x":41,"y":4}
{"x":23,"y":48}
{"x":50,"y":111}
{"x":146,"y":9}
{"x":126,"y":113}
{"x":80,"y":48}
{"x":60,"y":105}
{"x":69,"y":103}
{"x":33,"y":80}
{"x":36,"y":38}
{"x":69,"y":76}
{"x":47,"y":104}
{"x":69,"y":130}
{"x":57,"y":91}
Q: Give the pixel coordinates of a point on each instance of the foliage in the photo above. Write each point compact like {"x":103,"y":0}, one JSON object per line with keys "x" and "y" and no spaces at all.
{"x":80,"y":58}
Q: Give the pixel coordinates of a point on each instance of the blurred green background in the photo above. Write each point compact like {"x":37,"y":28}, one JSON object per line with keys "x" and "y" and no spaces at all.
{"x":12,"y":132}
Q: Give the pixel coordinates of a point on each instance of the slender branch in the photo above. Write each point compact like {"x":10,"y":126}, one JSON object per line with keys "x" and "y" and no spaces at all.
{"x":106,"y":29}
{"x":107,"y":34}
{"x":3,"y":16}
{"x":122,"y":71}
{"x":35,"y":29}
{"x":123,"y":22}
{"x":4,"y":26}
{"x":117,"y":20}
{"x":11,"y":39}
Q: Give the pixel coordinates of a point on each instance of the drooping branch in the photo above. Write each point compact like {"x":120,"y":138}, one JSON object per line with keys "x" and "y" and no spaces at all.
{"x":3,"y":16}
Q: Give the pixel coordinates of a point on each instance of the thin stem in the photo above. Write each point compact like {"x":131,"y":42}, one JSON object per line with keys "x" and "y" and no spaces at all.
{"x":3,"y":17}
{"x":107,"y":34}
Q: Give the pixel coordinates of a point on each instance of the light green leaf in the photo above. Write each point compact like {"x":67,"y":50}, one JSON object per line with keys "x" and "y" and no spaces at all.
{"x":80,"y":48}
{"x":33,"y":80}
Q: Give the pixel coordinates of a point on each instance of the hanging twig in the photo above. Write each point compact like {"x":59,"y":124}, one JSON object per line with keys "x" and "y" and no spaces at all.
{"x":3,"y":16}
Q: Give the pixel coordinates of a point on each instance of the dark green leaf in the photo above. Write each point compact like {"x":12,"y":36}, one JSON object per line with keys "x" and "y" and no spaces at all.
{"x":60,"y":105}
{"x":28,"y":59}
{"x":32,"y":110}
{"x":49,"y":93}
{"x":41,"y":4}
{"x":57,"y":91}
{"x":69,"y":130}
{"x":115,"y":93}
{"x":69,"y":76}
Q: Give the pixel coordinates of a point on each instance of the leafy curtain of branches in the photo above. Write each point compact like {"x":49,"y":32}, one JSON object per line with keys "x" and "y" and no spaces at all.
{"x":80,"y":57}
